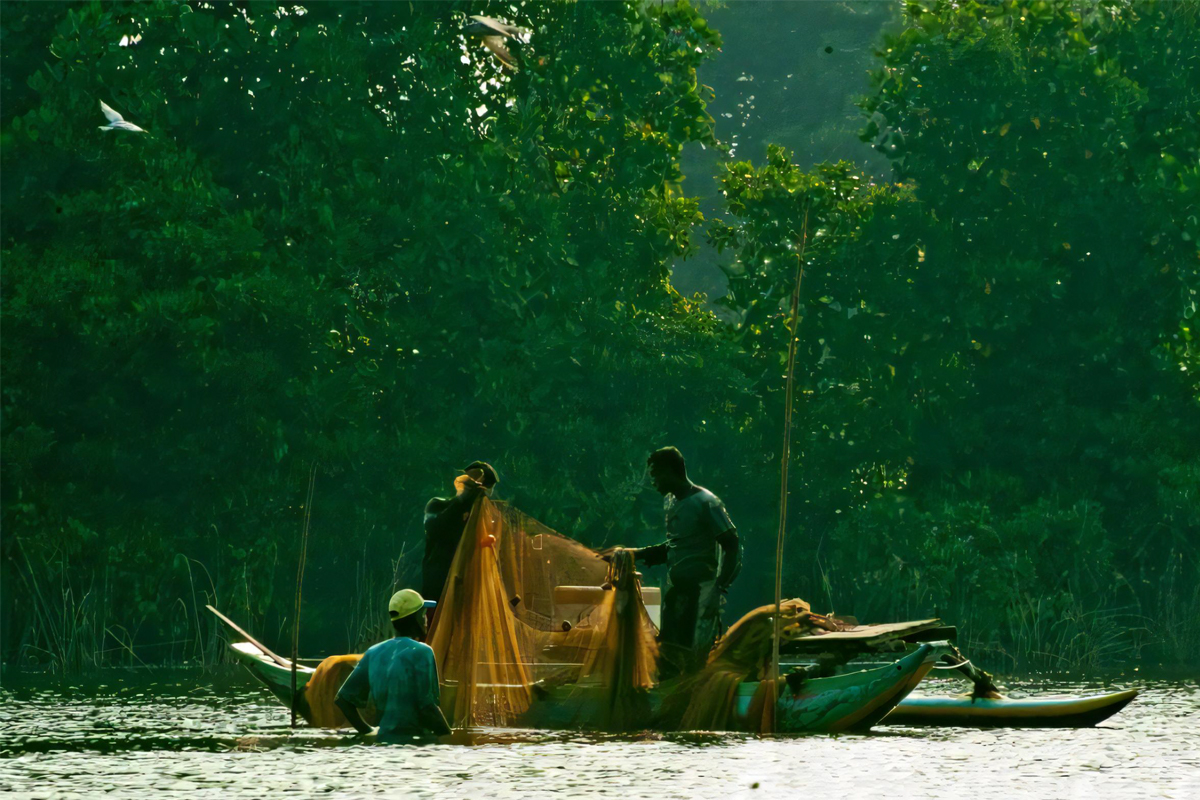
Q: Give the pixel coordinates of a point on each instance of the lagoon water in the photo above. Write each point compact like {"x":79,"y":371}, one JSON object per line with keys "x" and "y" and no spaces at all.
{"x":196,"y":735}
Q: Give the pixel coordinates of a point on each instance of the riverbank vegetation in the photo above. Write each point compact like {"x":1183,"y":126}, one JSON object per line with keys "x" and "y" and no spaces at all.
{"x":349,"y":237}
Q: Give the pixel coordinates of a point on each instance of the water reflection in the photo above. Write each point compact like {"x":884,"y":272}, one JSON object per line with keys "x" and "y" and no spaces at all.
{"x":201,"y":736}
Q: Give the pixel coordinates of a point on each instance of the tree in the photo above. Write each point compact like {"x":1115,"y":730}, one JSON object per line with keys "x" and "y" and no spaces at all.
{"x":347,"y":238}
{"x":1050,"y":145}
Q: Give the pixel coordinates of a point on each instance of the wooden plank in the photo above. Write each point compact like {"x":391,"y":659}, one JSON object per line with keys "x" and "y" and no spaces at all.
{"x":283,"y":662}
{"x":863,"y":637}
{"x":868,"y":632}
{"x":937,"y":633}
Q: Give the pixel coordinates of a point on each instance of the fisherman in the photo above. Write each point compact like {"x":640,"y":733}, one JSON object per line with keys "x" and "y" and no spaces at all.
{"x":703,"y":555}
{"x":400,"y":677}
{"x":445,"y":519}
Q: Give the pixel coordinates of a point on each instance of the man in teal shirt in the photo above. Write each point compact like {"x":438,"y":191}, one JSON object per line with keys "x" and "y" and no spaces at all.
{"x":400,"y":676}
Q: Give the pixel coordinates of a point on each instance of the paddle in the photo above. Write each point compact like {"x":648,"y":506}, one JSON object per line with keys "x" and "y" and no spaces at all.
{"x":234,"y":627}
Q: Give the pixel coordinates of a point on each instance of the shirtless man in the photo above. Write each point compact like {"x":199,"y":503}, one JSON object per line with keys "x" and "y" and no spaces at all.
{"x":703,"y":555}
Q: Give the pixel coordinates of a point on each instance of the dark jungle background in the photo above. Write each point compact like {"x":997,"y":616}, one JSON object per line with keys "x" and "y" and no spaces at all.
{"x":349,"y":239}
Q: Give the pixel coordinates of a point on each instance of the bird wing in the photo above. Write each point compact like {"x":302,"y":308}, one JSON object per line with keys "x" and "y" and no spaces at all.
{"x":112,"y":115}
{"x":496,"y":45}
{"x":497,"y":27}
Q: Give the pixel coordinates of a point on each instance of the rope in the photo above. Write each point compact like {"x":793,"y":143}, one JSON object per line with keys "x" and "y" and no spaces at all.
{"x":793,"y":324}
{"x":959,"y":665}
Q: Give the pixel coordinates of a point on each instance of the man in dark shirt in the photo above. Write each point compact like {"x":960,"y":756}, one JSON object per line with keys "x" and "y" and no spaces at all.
{"x":445,"y":518}
{"x":703,"y":555}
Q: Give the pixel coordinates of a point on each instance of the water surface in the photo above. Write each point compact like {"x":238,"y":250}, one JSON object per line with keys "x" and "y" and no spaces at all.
{"x":194,"y":735}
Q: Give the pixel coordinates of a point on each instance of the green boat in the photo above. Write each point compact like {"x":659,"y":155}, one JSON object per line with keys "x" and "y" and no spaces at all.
{"x":848,"y":702}
{"x":1005,"y":712}
{"x":985,"y":707}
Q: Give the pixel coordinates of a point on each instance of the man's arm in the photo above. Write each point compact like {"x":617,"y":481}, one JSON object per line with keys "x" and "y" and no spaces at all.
{"x":430,"y":712}
{"x":727,"y":538}
{"x":353,"y":693}
{"x":351,"y":712}
{"x":731,"y":558}
{"x":434,"y":720}
{"x":459,"y":504}
{"x":433,"y":508}
{"x":651,"y":556}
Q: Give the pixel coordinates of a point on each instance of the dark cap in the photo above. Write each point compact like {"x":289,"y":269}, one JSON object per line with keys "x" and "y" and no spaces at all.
{"x":490,"y":478}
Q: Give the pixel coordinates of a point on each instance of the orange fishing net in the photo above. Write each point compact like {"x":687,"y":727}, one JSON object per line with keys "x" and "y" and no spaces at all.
{"x":525,"y":608}
{"x":707,"y":700}
{"x":318,"y":708}
{"x":622,"y":657}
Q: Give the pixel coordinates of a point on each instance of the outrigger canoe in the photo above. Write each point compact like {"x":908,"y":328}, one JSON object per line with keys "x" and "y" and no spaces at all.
{"x":1006,"y":712}
{"x":849,"y":702}
{"x":985,"y":708}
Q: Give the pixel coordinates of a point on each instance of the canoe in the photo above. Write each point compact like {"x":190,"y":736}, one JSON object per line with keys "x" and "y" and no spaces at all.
{"x":853,"y":701}
{"x":1007,"y":712}
{"x":850,"y":702}
{"x":276,"y":676}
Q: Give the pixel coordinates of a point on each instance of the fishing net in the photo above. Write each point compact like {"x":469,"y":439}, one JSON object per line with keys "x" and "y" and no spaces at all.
{"x":320,"y":692}
{"x":526,"y":610}
{"x":707,"y":700}
{"x":622,"y":657}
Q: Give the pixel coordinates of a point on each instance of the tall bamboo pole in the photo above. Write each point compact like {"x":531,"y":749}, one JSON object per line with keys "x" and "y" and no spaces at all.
{"x":793,"y":325}
{"x":312,"y":479}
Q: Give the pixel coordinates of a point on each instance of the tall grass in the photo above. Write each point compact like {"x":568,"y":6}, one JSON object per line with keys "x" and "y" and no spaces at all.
{"x":1179,"y":612}
{"x":67,"y":631}
{"x":366,"y":620}
{"x":71,"y":628}
{"x":1017,"y":628}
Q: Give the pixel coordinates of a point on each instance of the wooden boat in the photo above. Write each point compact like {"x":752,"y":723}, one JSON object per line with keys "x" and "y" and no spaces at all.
{"x":1006,"y":712}
{"x":966,"y":710}
{"x":853,"y":701}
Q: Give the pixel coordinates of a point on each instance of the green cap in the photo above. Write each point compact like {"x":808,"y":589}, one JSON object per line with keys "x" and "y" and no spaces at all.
{"x":405,"y":603}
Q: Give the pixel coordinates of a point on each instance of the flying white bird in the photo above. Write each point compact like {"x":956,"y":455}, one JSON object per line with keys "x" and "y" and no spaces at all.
{"x":116,"y":122}
{"x":493,"y":32}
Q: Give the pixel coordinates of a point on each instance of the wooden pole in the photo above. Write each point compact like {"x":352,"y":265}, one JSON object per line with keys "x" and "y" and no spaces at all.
{"x":312,"y":479}
{"x":793,"y":325}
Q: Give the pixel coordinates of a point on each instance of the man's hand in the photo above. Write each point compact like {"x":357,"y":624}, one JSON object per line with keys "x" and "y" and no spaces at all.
{"x":606,"y":554}
{"x":351,"y":712}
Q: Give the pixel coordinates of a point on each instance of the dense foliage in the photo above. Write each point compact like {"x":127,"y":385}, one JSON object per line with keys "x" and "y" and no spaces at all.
{"x":347,"y":239}
{"x":1054,"y":152}
{"x":350,"y":239}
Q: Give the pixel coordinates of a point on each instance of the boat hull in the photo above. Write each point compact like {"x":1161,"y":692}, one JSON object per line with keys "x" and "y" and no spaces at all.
{"x":1004,"y":712}
{"x":850,"y":702}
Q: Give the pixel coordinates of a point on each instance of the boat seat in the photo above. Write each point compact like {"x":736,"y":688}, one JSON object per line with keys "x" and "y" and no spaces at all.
{"x":572,"y":602}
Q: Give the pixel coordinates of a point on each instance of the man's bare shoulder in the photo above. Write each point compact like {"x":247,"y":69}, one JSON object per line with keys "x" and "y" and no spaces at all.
{"x":706,"y":498}
{"x":716,"y":509}
{"x":437,"y":505}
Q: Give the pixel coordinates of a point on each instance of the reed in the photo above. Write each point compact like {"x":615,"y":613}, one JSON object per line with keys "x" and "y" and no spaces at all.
{"x":64,"y":628}
{"x":365,"y":622}
{"x":1179,"y":611}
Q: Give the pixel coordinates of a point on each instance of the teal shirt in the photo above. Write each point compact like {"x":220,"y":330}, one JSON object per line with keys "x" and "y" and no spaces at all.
{"x":400,"y":676}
